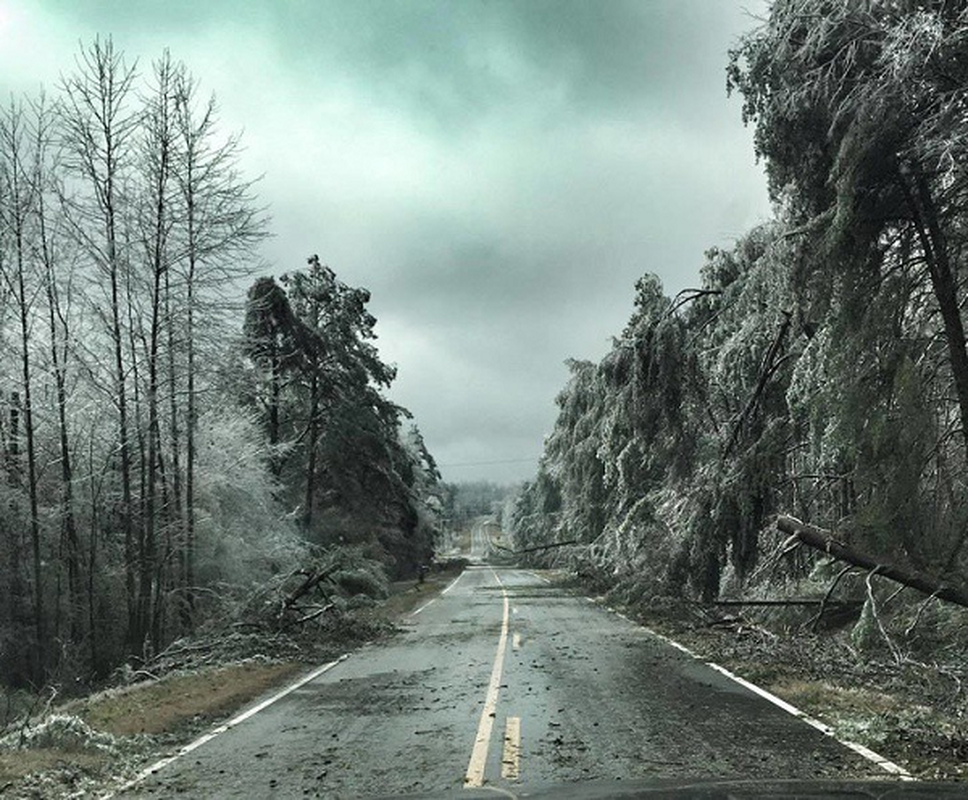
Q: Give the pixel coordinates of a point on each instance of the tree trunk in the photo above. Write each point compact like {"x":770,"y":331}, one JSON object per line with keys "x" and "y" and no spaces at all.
{"x":17,"y":591}
{"x":21,"y":197}
{"x":934,"y":244}
{"x":28,"y":416}
{"x":275,"y":389}
{"x":93,"y":631}
{"x":158,"y":158}
{"x":136,"y":631}
{"x":96,"y":129}
{"x":58,"y":357}
{"x":190,"y":446}
{"x":175,"y":515}
{"x":828,"y":542}
{"x":313,"y":435}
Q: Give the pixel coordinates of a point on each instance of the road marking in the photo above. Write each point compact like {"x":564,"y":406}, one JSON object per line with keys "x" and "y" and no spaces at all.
{"x":475,"y":769}
{"x":188,"y":748}
{"x":870,"y":755}
{"x":453,"y":583}
{"x":866,"y":752}
{"x":425,"y":605}
{"x":511,"y":761}
{"x":516,"y":641}
{"x":435,"y":599}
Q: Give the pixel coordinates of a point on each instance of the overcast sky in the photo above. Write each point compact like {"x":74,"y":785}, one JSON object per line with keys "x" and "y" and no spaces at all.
{"x":498,"y":174}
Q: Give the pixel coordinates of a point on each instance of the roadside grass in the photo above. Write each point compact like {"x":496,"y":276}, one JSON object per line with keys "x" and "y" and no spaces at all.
{"x":179,"y":701}
{"x":827,"y":698}
{"x":97,"y":738}
{"x":15,"y":766}
{"x":929,"y":742}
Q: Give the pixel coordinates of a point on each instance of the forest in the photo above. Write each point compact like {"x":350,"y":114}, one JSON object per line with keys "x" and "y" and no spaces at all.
{"x":809,"y":397}
{"x":176,"y":429}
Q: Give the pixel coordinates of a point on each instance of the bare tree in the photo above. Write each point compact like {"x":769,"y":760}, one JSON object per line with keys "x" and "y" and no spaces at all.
{"x":156,"y":163}
{"x":46,"y":181}
{"x":21,"y":195}
{"x":222,"y":226}
{"x":98,"y":127}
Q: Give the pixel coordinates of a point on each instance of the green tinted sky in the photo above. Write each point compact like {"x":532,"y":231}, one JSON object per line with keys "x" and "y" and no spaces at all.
{"x":497,"y":173}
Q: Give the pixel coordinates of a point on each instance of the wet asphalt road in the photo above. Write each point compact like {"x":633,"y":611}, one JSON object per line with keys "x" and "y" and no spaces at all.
{"x":595,"y":698}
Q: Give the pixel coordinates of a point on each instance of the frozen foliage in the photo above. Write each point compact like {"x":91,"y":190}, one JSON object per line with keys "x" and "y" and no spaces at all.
{"x":819,"y":369}
{"x":244,"y":535}
{"x":61,"y":732}
{"x":366,"y":580}
{"x":153,"y":467}
{"x":669,"y":458}
{"x":346,"y":464}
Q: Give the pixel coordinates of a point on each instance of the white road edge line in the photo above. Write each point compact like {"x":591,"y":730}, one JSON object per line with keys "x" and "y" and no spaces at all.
{"x":475,"y":768}
{"x":425,"y":605}
{"x":435,"y":599}
{"x":452,"y":584}
{"x":866,"y":752}
{"x":207,"y":737}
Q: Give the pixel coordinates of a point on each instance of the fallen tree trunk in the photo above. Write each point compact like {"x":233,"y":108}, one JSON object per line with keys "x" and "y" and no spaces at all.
{"x":827,"y":542}
{"x":778,"y":603}
{"x":533,"y":549}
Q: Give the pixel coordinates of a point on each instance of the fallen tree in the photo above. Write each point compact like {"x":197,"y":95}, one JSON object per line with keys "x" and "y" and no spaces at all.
{"x":534,"y":549}
{"x":828,"y":542}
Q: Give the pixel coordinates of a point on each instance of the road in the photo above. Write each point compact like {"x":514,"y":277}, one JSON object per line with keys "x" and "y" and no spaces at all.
{"x":504,"y":682}
{"x":480,"y":539}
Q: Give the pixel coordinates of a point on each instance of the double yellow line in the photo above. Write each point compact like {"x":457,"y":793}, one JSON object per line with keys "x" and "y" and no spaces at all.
{"x":511,"y":759}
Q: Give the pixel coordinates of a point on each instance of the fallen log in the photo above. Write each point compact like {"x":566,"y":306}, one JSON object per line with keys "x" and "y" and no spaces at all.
{"x":311,"y":579}
{"x":533,"y":549}
{"x":827,"y":542}
{"x":778,"y":603}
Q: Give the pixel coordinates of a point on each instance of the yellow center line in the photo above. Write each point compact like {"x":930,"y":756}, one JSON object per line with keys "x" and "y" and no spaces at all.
{"x":475,"y":769}
{"x":511,"y":761}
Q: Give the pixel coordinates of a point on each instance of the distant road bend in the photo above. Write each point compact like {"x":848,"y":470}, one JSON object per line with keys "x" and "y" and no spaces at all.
{"x":481,"y":539}
{"x":506,"y":682}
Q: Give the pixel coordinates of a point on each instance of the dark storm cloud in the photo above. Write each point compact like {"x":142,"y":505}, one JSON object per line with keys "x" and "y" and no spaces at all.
{"x":460,"y":62}
{"x":497,"y":173}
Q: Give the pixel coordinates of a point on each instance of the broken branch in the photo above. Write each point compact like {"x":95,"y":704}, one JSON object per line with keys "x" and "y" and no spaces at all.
{"x":769,"y":367}
{"x":317,"y":613}
{"x":877,"y":619}
{"x":815,"y":620}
